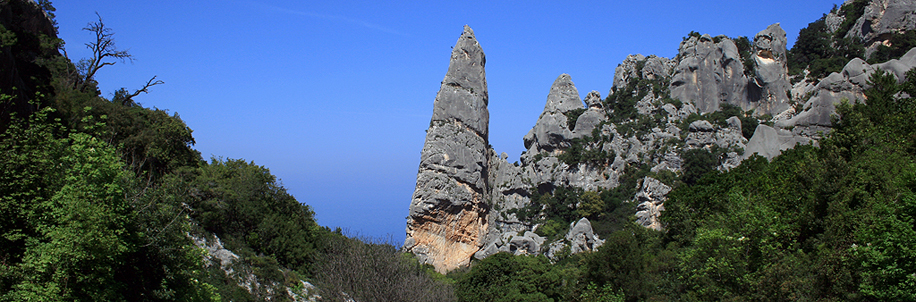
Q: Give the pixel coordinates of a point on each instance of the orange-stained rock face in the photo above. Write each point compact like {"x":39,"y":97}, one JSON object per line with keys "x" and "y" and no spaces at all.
{"x":448,"y":212}
{"x":449,"y":239}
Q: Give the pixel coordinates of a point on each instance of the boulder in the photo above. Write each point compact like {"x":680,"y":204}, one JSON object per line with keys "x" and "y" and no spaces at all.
{"x":581,"y":238}
{"x":769,"y":142}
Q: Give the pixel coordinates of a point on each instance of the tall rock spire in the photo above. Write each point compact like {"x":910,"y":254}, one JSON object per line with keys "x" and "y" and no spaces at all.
{"x":448,"y":210}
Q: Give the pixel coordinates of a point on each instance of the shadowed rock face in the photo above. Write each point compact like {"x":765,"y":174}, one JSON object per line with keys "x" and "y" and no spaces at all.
{"x":881,"y":19}
{"x":448,"y":211}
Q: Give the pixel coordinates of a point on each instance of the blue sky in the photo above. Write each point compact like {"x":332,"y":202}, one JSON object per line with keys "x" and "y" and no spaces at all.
{"x":335,"y":96}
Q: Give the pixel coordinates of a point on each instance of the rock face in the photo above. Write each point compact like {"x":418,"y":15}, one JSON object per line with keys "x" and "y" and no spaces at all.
{"x":709,"y":73}
{"x":448,"y":211}
{"x":848,"y":84}
{"x":651,"y":198}
{"x":881,"y":19}
{"x":551,"y":132}
{"x":770,"y":82}
{"x":469,"y":202}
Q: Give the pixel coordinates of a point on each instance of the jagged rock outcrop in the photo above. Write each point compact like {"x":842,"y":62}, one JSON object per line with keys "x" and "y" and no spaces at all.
{"x":448,"y":211}
{"x":709,"y":73}
{"x":651,"y":202}
{"x":580,"y":238}
{"x":771,"y":81}
{"x":849,"y":84}
{"x":471,"y":202}
{"x":880,"y":20}
{"x":551,"y":132}
{"x":639,"y":66}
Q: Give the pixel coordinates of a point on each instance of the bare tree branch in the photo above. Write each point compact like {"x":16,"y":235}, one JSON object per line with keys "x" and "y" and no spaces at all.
{"x":125,"y":99}
{"x":103,"y":51}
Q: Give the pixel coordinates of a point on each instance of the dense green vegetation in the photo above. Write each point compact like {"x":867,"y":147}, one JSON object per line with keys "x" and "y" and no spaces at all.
{"x":821,"y":51}
{"x":103,"y":199}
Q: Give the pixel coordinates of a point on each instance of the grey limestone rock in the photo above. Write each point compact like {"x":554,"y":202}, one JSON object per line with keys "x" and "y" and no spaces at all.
{"x":639,"y":66}
{"x":593,"y":100}
{"x":587,"y":122}
{"x":882,"y":18}
{"x":551,"y":133}
{"x":709,"y":73}
{"x":528,"y":243}
{"x":770,"y":142}
{"x":849,"y":84}
{"x":701,"y":126}
{"x":448,"y":210}
{"x":771,"y":73}
{"x":581,"y":238}
{"x":627,"y":70}
{"x":650,"y":202}
{"x":703,"y":134}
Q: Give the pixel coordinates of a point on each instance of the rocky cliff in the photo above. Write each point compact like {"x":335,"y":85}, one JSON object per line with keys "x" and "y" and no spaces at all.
{"x":593,"y":164}
{"x":448,"y":211}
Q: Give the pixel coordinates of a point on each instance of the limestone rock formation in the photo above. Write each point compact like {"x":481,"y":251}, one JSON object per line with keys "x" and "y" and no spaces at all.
{"x":551,"y":132}
{"x":881,"y":19}
{"x":639,"y":66}
{"x":580,"y":238}
{"x":651,"y":202}
{"x":849,"y":84}
{"x":770,"y":142}
{"x":448,"y":211}
{"x":770,"y":72}
{"x":470,"y":202}
{"x":709,"y":73}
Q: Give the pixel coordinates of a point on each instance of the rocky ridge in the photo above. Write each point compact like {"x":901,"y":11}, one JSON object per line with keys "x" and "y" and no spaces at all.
{"x":732,"y":98}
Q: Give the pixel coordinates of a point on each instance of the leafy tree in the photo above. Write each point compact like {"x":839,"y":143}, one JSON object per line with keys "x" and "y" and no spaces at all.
{"x":698,"y":162}
{"x":244,"y":205}
{"x":505,"y":277}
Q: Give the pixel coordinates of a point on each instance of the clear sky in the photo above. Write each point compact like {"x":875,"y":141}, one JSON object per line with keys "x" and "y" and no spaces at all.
{"x":334,"y":97}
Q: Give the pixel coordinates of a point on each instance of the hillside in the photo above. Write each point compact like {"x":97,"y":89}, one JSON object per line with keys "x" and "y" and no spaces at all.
{"x":737,"y":170}
{"x":729,"y":154}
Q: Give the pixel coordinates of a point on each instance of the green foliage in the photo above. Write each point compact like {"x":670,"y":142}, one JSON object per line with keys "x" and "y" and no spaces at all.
{"x":852,"y":12}
{"x":69,"y":231}
{"x":606,"y":293}
{"x":504,"y":277}
{"x":697,"y":162}
{"x":900,"y":43}
{"x":822,"y":51}
{"x":631,"y":261}
{"x":244,"y":205}
{"x":583,"y":150}
{"x":572,"y":116}
{"x":746,"y":51}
